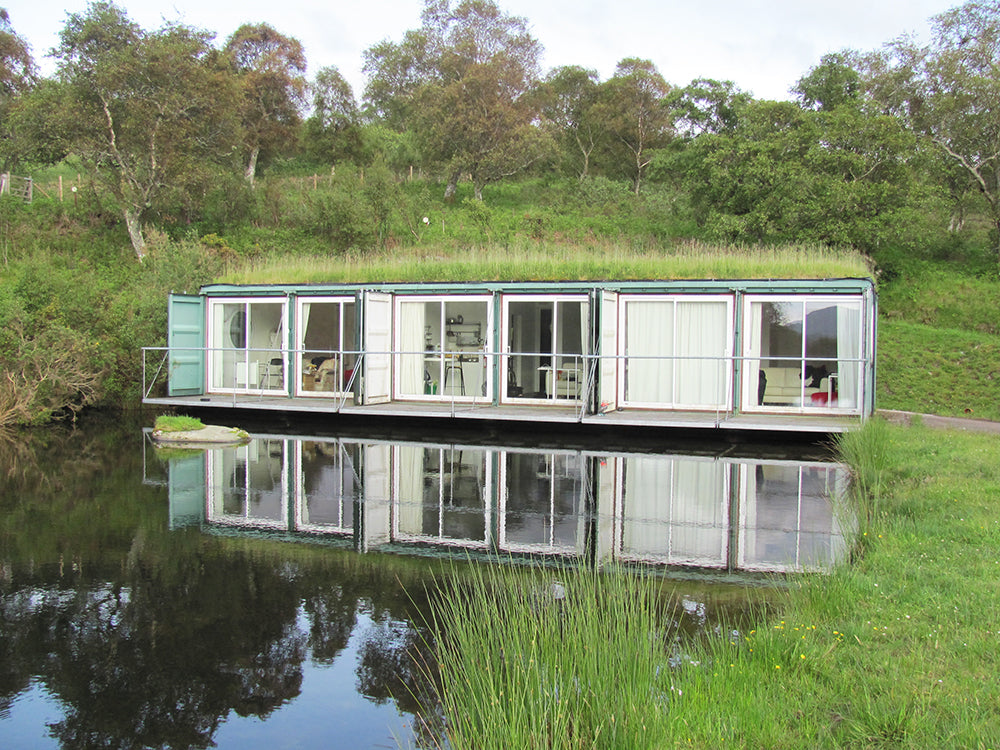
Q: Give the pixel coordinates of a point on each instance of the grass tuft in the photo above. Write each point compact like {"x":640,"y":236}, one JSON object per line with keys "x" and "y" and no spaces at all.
{"x":177,"y":423}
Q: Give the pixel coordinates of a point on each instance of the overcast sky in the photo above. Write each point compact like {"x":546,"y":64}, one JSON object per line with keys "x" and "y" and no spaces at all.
{"x":764,"y":46}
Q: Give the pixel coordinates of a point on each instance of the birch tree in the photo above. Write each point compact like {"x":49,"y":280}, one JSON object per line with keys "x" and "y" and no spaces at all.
{"x":145,"y":112}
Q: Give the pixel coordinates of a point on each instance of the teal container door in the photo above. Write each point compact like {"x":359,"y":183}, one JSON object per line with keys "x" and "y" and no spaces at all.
{"x":186,"y":340}
{"x":187,"y":489}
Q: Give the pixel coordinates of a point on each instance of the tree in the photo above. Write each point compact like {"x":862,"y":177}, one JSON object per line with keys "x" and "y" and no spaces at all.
{"x":271,"y":68}
{"x":708,"y":106}
{"x":948,"y":92}
{"x":462,"y":83}
{"x":146,"y":112}
{"x":18,"y":75}
{"x":568,"y":96}
{"x":833,"y":82}
{"x":635,"y":112}
{"x":18,"y":72}
{"x":785,"y":174}
{"x":333,"y":129}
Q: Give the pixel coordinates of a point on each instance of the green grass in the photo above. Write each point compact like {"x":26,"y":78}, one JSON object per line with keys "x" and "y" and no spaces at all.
{"x":937,"y":370}
{"x":899,"y":649}
{"x":525,"y":260}
{"x":171,"y":423}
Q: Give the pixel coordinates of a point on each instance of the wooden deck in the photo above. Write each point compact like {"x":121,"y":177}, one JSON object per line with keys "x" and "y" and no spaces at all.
{"x":542,"y":415}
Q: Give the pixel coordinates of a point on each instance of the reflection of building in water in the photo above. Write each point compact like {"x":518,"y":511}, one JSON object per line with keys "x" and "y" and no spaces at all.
{"x":681,"y":510}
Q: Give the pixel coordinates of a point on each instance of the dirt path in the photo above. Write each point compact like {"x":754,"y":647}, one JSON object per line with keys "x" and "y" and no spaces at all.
{"x":940,"y":423}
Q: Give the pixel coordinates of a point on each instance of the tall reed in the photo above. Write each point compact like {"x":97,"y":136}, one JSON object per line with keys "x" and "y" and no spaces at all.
{"x":560,"y":658}
{"x":866,"y":452}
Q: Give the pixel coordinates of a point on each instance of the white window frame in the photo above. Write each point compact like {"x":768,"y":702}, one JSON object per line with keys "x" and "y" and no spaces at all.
{"x":215,"y":347}
{"x":725,"y":357}
{"x":300,"y":350}
{"x":486,"y":355}
{"x":750,"y":364}
{"x":505,"y":349}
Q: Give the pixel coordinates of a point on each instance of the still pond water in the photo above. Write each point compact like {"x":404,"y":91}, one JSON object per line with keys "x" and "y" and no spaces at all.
{"x":275,"y":595}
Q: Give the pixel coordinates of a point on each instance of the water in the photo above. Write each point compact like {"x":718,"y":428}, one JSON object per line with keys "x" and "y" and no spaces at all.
{"x":275,"y":595}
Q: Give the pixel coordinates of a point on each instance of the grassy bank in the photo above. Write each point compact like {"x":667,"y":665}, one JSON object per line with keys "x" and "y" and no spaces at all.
{"x":899,"y":649}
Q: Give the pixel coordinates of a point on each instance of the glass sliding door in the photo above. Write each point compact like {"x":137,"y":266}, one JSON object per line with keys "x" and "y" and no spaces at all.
{"x":327,"y":347}
{"x":803,"y":354}
{"x":248,"y":347}
{"x":676,"y":352}
{"x":545,"y":343}
{"x":443,"y":348}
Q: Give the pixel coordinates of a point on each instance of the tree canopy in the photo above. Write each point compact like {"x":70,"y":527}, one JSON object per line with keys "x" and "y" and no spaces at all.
{"x":159,"y":119}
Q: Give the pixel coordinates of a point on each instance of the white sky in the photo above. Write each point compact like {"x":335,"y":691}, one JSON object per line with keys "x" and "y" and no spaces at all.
{"x":764,"y":46}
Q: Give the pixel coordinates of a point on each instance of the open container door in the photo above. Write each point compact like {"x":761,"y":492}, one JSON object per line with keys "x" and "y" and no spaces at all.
{"x":186,"y":341}
{"x":608,"y":370}
{"x":377,"y":336}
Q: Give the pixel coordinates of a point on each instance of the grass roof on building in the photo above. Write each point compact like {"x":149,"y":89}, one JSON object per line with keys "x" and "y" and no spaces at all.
{"x":559,"y":262}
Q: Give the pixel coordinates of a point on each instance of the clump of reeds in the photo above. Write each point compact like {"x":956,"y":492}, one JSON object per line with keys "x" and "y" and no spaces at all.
{"x":555,"y":658}
{"x":866,"y":452}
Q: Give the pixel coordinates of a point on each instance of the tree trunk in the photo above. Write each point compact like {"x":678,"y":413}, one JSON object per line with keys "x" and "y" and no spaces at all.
{"x":449,"y":191}
{"x":134,"y":226}
{"x":251,"y":172}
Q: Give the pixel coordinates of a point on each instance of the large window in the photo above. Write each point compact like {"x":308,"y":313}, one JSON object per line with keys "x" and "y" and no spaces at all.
{"x":327,"y":346}
{"x":545,"y":345}
{"x":247,"y":345}
{"x":803,"y":354}
{"x":676,"y":352}
{"x":443,"y":348}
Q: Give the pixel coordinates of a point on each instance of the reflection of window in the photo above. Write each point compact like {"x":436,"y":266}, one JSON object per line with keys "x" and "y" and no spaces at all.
{"x":803,"y":353}
{"x":441,"y":495}
{"x":789,"y":518}
{"x":328,"y":486}
{"x":675,"y":510}
{"x":246,"y":485}
{"x":542,"y":504}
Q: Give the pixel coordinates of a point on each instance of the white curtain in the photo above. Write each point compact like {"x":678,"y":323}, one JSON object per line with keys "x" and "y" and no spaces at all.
{"x":649,"y":343}
{"x":409,"y":499}
{"x":411,"y":344}
{"x":752,"y":352}
{"x":702,"y":331}
{"x":303,"y":326}
{"x":700,"y":524}
{"x":848,"y":354}
{"x":647,"y":507}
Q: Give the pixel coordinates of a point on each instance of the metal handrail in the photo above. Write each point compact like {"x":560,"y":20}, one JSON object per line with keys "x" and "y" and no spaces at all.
{"x":153,"y":370}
